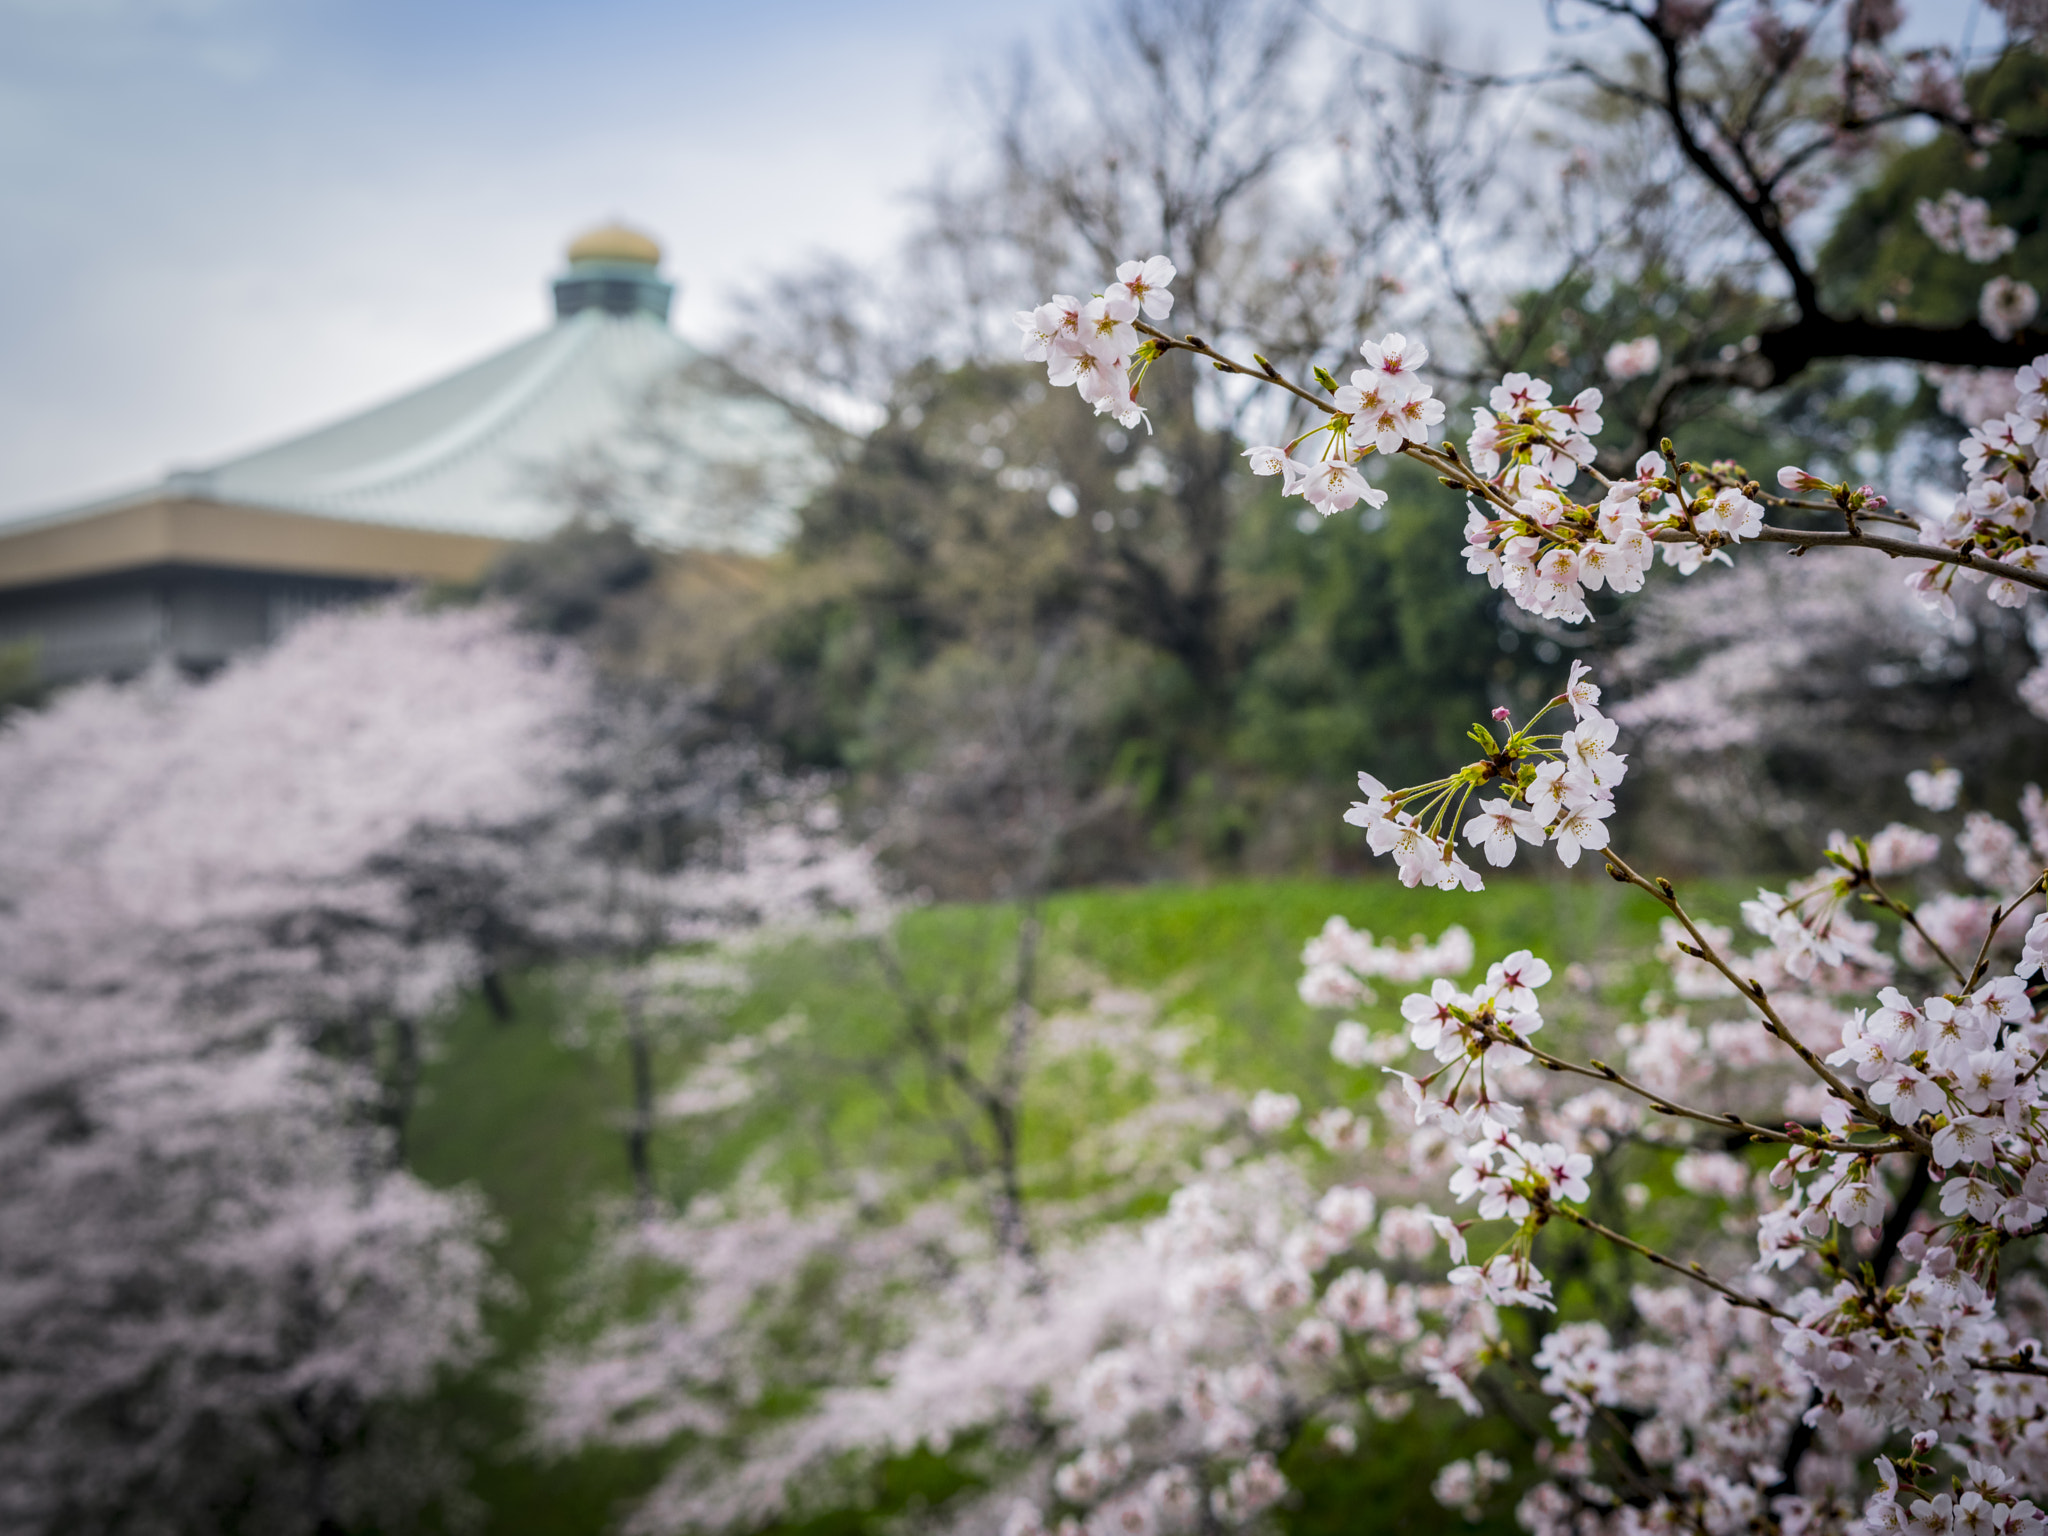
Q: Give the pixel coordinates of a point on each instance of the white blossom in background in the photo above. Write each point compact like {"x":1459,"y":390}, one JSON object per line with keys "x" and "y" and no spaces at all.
{"x":2033,"y":690}
{"x":228,"y":911}
{"x":1962,"y":226}
{"x":210,"y":1271}
{"x":2007,"y":306}
{"x":1269,"y":1111}
{"x":1972,"y":395}
{"x":1627,"y":360}
{"x":1935,"y":789}
{"x":782,"y":1297}
{"x":1462,"y":1485}
{"x":1340,"y":960}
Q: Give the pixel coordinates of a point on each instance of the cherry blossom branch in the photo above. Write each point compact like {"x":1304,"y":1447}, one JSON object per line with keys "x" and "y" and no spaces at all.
{"x":1854,"y":515}
{"x":1445,"y":461}
{"x":1456,"y":474}
{"x":1784,"y":350}
{"x":1804,"y":539}
{"x":1599,"y":1071}
{"x":1266,"y":374}
{"x":1702,"y":948}
{"x":1998,"y":917}
{"x":2011,"y":1365}
{"x":1886,"y":900}
{"x":1691,"y":1269}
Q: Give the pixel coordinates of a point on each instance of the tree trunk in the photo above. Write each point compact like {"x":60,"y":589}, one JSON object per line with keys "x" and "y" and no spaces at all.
{"x":640,"y":1127}
{"x":401,"y":1083}
{"x":1013,"y":1234}
{"x":497,"y":998}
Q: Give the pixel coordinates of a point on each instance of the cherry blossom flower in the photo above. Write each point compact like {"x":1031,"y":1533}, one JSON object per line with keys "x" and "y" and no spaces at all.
{"x":1145,"y":283}
{"x":1350,"y":1043}
{"x":1962,"y":226}
{"x":1105,"y":328}
{"x":2007,"y":307}
{"x":1936,"y":790}
{"x":1333,"y":486}
{"x":1496,"y":825}
{"x":1395,"y":359}
{"x":1270,"y":1111}
{"x":1627,"y":360}
{"x":1730,"y":514}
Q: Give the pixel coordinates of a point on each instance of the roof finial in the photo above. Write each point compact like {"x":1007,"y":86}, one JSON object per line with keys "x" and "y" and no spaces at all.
{"x":613,"y":269}
{"x":615,"y":242}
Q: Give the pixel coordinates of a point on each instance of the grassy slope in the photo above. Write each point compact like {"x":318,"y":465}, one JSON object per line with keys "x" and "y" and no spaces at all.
{"x":533,"y":1119}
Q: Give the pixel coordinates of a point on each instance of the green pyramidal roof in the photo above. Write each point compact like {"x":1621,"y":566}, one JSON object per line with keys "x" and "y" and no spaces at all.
{"x":607,"y":408}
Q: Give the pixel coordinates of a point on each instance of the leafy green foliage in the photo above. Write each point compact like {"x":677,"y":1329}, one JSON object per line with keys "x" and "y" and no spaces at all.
{"x":990,"y":519}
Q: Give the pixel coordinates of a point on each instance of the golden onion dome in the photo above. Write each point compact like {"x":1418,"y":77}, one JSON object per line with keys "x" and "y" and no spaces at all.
{"x":615,"y":243}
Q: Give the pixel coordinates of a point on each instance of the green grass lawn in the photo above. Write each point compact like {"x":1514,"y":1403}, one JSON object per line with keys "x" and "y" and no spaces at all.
{"x":532,"y":1111}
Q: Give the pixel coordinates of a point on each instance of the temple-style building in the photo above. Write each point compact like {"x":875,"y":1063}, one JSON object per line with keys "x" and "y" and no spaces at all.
{"x":605,"y":410}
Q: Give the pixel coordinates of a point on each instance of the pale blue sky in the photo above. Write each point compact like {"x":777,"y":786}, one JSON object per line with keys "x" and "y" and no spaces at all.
{"x":223,"y":221}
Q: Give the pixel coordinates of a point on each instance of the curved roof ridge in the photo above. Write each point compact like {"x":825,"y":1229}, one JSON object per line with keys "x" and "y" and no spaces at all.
{"x":474,"y":432}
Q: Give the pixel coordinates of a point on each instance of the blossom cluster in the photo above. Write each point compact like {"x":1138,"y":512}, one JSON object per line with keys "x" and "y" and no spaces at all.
{"x":1386,"y":406}
{"x":1093,"y":344}
{"x":1551,"y":551}
{"x":1962,"y":226}
{"x":1950,"y":1078}
{"x":1556,"y":788}
{"x":1469,"y":1032}
{"x":2005,"y":478}
{"x":1341,"y":958}
{"x":1269,"y":1292}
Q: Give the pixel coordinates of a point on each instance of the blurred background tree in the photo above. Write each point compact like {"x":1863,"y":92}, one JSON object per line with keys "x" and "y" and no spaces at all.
{"x":1259,"y":651}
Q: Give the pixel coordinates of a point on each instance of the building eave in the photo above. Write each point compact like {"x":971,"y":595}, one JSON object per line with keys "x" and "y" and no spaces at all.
{"x":183,"y":530}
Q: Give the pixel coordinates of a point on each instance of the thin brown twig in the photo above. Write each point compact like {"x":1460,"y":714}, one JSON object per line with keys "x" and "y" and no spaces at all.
{"x":1803,"y":538}
{"x":1891,"y":904}
{"x":2011,"y":1365}
{"x":1753,"y":991}
{"x":1998,"y":917}
{"x":1663,"y":1104}
{"x":1692,"y":1271}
